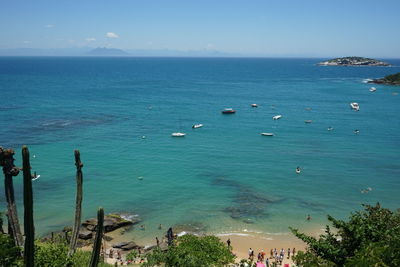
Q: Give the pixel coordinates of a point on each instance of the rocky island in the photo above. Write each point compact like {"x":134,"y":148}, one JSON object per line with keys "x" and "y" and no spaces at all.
{"x":353,"y":61}
{"x":393,"y":79}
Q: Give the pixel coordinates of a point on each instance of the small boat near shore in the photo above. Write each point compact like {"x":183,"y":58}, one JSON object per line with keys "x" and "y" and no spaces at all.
{"x":308,"y":121}
{"x":277,"y":117}
{"x":372,"y":89}
{"x":199,"y":125}
{"x":355,"y":106}
{"x":229,"y":111}
{"x":254,"y":105}
{"x":267,"y":134}
{"x":178,"y":134}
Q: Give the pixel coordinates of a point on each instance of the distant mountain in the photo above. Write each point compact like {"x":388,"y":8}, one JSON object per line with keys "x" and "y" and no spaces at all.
{"x":104,"y":51}
{"x":353,"y":61}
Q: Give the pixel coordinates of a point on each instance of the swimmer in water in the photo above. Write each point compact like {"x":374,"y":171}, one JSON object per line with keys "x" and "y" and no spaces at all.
{"x":298,"y":170}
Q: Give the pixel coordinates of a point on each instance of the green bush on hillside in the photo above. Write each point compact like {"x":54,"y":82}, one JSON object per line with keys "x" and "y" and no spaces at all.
{"x":192,"y":251}
{"x":371,"y":235}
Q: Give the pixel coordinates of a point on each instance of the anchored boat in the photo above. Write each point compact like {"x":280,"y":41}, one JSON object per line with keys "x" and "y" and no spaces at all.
{"x":228,"y":111}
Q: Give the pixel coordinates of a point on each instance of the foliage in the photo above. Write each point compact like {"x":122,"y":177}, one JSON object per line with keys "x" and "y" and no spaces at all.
{"x":132,"y":255}
{"x":51,"y":254}
{"x":193,"y":251}
{"x":55,"y":254}
{"x":362,"y":236}
{"x":308,"y":259}
{"x":377,"y":254}
{"x":393,"y":77}
{"x":9,"y":254}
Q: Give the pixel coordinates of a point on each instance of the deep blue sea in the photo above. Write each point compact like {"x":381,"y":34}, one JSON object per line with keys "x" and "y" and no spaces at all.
{"x":223,"y":177}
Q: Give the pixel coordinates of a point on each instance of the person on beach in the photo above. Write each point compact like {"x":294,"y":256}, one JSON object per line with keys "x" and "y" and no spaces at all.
{"x":267,"y":262}
{"x":308,"y":217}
{"x":111,"y":253}
{"x":118,"y":255}
{"x":251,"y":254}
{"x":262,"y":255}
{"x":160,"y":227}
{"x":271,"y":254}
{"x":294,"y":251}
{"x":158,"y":242}
{"x":288,"y":253}
{"x":228,"y":242}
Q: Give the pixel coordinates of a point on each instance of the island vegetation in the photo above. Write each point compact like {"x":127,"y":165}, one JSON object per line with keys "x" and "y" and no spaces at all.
{"x":353,"y":61}
{"x":393,"y":79}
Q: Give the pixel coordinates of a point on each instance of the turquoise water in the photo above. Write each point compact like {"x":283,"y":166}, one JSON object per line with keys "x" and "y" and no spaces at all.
{"x":221,"y":176}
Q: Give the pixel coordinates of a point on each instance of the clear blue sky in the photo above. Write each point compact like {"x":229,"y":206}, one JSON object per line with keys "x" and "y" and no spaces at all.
{"x":252,"y":27}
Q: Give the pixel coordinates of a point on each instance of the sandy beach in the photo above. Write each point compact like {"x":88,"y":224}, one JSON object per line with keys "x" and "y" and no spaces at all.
{"x":241,"y":245}
{"x":240,"y":242}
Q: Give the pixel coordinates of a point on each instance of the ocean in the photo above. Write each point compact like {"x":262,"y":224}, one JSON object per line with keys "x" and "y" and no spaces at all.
{"x":222,"y":178}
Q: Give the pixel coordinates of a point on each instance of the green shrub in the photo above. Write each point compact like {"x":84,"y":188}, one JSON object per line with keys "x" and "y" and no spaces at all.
{"x":364,"y":237}
{"x":193,"y":251}
{"x":9,"y":254}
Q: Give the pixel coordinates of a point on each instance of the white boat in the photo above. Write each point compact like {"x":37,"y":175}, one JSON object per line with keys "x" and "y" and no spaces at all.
{"x":298,"y":170}
{"x":36,"y":177}
{"x":254,"y":105}
{"x":267,"y":134}
{"x":355,"y":106}
{"x":178,"y":134}
{"x":308,"y":121}
{"x":277,"y":117}
{"x":372,"y":89}
{"x":195,"y":126}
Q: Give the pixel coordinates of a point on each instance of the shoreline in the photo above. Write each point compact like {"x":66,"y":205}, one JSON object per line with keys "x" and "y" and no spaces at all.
{"x":241,"y":242}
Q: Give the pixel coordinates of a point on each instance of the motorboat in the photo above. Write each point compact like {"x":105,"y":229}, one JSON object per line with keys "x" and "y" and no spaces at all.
{"x":277,"y":117}
{"x":267,"y":134}
{"x":298,"y":171}
{"x":195,"y":126}
{"x":330,"y":128}
{"x":178,"y":134}
{"x":228,"y":111}
{"x":355,"y":106}
{"x":254,"y":105}
{"x":372,"y":89}
{"x":308,"y":121}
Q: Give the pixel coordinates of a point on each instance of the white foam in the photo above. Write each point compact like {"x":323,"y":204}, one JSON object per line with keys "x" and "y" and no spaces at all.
{"x":129,"y":217}
{"x":182,"y":233}
{"x":367,"y":80}
{"x":277,"y":233}
{"x":228,"y":234}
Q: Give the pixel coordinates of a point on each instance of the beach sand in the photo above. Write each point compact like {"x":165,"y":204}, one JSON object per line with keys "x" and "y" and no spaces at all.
{"x":240,"y":242}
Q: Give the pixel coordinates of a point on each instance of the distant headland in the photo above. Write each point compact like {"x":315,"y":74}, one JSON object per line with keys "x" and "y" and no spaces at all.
{"x":393,"y":79}
{"x":104,"y":51}
{"x":353,"y":61}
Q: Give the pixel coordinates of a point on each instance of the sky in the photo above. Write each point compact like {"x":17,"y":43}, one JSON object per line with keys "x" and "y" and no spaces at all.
{"x":309,"y":28}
